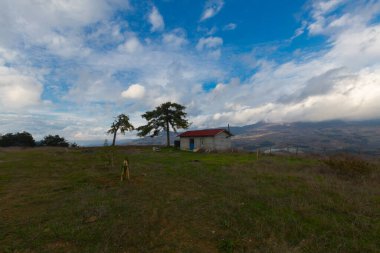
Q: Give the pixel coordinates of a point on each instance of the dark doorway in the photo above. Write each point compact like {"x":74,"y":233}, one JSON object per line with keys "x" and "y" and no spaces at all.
{"x":191,"y":144}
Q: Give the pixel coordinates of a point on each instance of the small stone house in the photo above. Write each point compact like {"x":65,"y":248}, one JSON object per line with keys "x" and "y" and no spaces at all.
{"x":208,"y":139}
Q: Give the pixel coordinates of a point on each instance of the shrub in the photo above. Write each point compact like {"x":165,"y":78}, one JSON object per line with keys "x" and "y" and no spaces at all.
{"x":227,"y":246}
{"x":54,"y":141}
{"x":74,"y":145}
{"x":23,"y":139}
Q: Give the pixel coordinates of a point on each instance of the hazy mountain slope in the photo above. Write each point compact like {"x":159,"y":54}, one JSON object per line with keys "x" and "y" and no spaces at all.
{"x":363,"y":136}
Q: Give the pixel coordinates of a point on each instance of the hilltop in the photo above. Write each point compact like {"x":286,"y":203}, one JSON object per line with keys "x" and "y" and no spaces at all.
{"x":70,"y":200}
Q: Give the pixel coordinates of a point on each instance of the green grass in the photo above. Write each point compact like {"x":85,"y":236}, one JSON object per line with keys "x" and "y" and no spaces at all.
{"x":57,"y":200}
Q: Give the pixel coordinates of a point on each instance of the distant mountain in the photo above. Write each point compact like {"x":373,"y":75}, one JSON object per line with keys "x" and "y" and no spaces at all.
{"x":327,"y":136}
{"x":91,"y":143}
{"x":157,"y":140}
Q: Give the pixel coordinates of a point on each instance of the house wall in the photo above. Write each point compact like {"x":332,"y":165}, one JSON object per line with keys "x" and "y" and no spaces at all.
{"x":218,"y":142}
{"x":222,"y":141}
{"x":185,"y":143}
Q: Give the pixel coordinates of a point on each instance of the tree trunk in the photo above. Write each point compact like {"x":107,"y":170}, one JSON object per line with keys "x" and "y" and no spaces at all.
{"x":114,"y":138}
{"x":167,"y":134}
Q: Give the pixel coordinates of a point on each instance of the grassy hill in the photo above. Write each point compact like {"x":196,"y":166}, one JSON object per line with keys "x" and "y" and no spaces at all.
{"x":58,"y":200}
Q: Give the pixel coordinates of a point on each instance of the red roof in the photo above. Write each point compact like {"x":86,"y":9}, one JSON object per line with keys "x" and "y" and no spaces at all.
{"x":203,"y":133}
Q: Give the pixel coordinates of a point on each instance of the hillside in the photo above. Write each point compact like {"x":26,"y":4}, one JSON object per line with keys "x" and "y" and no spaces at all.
{"x":319,"y":137}
{"x":70,"y":200}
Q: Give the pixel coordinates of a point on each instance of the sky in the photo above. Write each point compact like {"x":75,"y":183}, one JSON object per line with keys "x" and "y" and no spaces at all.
{"x":68,"y":67}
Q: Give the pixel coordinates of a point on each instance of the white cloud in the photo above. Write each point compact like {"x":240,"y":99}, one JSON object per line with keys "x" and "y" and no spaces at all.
{"x":207,"y":31}
{"x":156,"y":20}
{"x":300,"y":30}
{"x":325,"y":6}
{"x":212,"y":8}
{"x":212,"y":46}
{"x":230,"y":27}
{"x":56,"y":25}
{"x":135,"y":91}
{"x":176,"y":38}
{"x":352,"y":98}
{"x":7,"y":55}
{"x":320,"y":11}
{"x":356,"y":15}
{"x":356,"y":49}
{"x":92,"y":87}
{"x":209,"y":43}
{"x":18,"y":90}
{"x":131,"y":45}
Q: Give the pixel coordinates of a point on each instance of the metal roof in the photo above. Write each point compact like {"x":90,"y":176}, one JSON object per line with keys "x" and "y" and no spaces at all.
{"x":204,"y":133}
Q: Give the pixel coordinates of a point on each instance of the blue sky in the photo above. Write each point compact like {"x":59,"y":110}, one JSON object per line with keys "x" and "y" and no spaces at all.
{"x":68,"y":67}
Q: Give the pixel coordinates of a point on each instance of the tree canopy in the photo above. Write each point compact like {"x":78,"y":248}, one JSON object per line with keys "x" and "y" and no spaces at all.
{"x":121,"y":123}
{"x":23,"y":139}
{"x":162,"y":118}
{"x":54,"y":141}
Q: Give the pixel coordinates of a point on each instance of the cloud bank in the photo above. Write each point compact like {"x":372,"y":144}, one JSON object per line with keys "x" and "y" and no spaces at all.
{"x":68,"y":68}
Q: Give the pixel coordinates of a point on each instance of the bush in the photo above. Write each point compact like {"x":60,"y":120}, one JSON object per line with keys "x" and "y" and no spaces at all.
{"x":349,"y":165}
{"x":54,"y":141}
{"x":23,"y":139}
{"x":74,"y":145}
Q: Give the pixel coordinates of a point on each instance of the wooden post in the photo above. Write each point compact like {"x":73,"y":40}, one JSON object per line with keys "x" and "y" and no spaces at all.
{"x":125,"y":170}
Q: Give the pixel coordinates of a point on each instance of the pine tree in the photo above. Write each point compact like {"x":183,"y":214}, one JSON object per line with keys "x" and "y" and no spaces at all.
{"x":121,"y":123}
{"x":166,"y":116}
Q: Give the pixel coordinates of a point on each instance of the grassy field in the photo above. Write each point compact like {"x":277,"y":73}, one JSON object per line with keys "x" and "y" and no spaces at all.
{"x":57,"y":200}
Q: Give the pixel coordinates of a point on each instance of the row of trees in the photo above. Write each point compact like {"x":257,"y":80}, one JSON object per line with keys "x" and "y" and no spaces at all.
{"x":25,"y":139}
{"x":163,"y":118}
{"x":166,"y":116}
